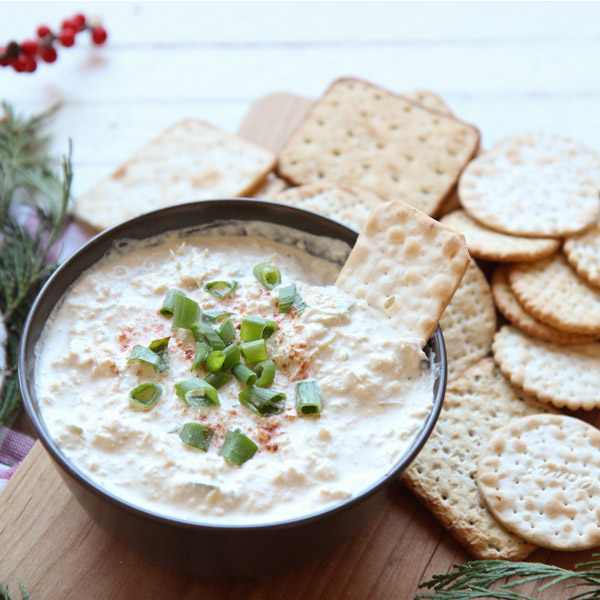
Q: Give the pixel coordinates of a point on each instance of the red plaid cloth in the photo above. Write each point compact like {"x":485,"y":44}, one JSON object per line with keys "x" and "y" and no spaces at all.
{"x":14,"y":447}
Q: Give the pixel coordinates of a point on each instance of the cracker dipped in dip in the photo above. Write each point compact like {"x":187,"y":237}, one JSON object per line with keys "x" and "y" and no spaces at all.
{"x":155,"y":377}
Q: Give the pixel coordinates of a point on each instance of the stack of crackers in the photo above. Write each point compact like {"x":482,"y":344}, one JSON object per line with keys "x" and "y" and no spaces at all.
{"x":528,"y":208}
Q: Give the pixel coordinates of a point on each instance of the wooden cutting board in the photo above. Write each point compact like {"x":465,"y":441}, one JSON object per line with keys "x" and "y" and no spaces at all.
{"x":47,"y":539}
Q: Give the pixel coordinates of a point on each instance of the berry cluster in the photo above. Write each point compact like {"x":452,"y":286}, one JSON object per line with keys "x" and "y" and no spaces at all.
{"x":24,"y":57}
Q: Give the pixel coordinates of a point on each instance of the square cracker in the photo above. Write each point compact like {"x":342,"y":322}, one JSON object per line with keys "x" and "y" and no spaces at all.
{"x":443,"y":476}
{"x":407,"y":266}
{"x":190,"y":161}
{"x":364,"y":135}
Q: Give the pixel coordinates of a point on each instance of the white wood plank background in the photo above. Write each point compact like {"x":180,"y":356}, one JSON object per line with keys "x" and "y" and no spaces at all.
{"x":506,"y":67}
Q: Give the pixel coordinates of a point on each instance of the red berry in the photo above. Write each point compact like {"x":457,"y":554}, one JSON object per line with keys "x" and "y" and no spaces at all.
{"x":20,"y":63}
{"x":30,"y":47}
{"x":43,"y":31}
{"x":48,"y":54}
{"x":30,"y":64}
{"x":4,"y":62}
{"x":67,"y":37}
{"x":70,"y":24}
{"x":99,"y":35}
{"x":80,"y":20}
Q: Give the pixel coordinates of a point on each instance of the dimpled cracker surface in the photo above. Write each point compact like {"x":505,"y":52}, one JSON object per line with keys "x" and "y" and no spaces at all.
{"x":271,"y":186}
{"x":552,"y":292}
{"x":583,"y":253}
{"x":189,"y":161}
{"x":360,"y":134}
{"x":540,"y":477}
{"x":563,"y":375}
{"x":509,"y":306}
{"x":429,"y":100}
{"x":488,"y":244}
{"x":407,"y":266}
{"x":349,"y":204}
{"x":443,"y":475}
{"x":469,"y":322}
{"x":533,"y":185}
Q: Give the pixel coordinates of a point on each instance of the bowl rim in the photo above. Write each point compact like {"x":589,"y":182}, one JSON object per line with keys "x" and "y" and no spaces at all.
{"x":108,"y":238}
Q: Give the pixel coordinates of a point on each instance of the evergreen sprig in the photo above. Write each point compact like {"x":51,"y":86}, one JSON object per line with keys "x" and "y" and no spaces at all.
{"x":29,"y":187}
{"x":5,"y":595}
{"x":477,"y":578}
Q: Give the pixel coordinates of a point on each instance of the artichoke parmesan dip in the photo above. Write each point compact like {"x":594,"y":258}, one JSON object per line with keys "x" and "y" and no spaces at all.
{"x":374,"y":389}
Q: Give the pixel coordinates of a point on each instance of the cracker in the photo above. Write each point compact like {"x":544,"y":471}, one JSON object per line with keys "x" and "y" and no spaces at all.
{"x":360,"y":134}
{"x":533,"y":185}
{"x":583,"y":253}
{"x":407,"y":266}
{"x":469,"y":322}
{"x":443,"y":474}
{"x":429,"y":100}
{"x":562,"y":375}
{"x":346,"y":203}
{"x":540,"y":477}
{"x":509,"y":306}
{"x":271,"y":186}
{"x":189,"y":161}
{"x":552,"y":292}
{"x":488,"y":244}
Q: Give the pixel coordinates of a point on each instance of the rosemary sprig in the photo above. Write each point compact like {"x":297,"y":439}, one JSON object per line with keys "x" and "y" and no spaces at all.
{"x":33,"y":205}
{"x":476,"y":578}
{"x":4,"y":594}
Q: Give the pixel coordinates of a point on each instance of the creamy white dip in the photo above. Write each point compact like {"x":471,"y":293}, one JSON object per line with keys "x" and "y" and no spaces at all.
{"x":375,"y":391}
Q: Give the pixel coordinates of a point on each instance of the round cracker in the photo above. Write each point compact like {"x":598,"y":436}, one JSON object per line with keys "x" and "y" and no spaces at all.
{"x":349,"y":204}
{"x":562,"y":375}
{"x":509,"y":306}
{"x":492,"y":245}
{"x":552,"y":292}
{"x":540,"y":477}
{"x":469,"y":322}
{"x":583,"y":252}
{"x":533,"y":185}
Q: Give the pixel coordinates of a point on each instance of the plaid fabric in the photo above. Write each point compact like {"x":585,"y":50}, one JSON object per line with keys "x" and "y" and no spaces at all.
{"x":14,"y":447}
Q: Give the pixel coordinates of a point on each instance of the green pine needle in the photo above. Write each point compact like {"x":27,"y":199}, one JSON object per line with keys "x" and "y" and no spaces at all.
{"x":5,"y":595}
{"x":477,"y":578}
{"x":27,"y":179}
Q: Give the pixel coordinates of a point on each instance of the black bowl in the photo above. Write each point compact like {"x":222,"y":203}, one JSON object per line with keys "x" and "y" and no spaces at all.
{"x":211,"y":550}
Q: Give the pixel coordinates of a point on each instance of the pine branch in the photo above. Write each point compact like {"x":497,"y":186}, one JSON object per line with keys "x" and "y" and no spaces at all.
{"x":29,"y":187}
{"x":5,"y":595}
{"x":477,"y":578}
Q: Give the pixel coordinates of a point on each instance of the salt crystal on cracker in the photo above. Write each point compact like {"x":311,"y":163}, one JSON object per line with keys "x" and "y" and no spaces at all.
{"x":360,"y":134}
{"x":189,"y":161}
{"x":533,"y":185}
{"x":562,"y":375}
{"x":540,"y":477}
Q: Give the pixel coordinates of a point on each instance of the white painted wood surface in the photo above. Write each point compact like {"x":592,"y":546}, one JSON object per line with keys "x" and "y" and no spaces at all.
{"x":506,"y":67}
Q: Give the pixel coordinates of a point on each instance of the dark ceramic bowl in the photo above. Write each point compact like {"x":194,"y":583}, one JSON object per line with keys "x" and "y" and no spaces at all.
{"x":210,"y":550}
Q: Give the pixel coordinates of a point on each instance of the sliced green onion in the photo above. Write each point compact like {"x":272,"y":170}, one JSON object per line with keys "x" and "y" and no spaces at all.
{"x":169,"y":302}
{"x":159,"y":346}
{"x":214,"y":361}
{"x":203,"y":332}
{"x":218,"y":380}
{"x":244,"y":374}
{"x":226,"y":331}
{"x":237,"y":448}
{"x":255,"y":328}
{"x":268,"y":274}
{"x":197,"y":435}
{"x":288,"y":297}
{"x":185,"y":312}
{"x":148,"y":357}
{"x":265,"y":371}
{"x":255,"y":351}
{"x":204,"y":393}
{"x":261,"y":401}
{"x":308,"y":398}
{"x":212,"y":316}
{"x":221,"y":289}
{"x":145,"y":395}
{"x":202,"y":351}
{"x":232,"y":357}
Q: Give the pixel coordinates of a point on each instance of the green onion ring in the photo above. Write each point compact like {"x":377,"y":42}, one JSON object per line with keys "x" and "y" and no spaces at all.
{"x":237,"y":448}
{"x":255,"y":328}
{"x":185,"y":312}
{"x":205,"y":396}
{"x":308,"y":398}
{"x":215,"y":360}
{"x":203,"y":332}
{"x":202,"y":351}
{"x":145,"y":395}
{"x":213,"y":287}
{"x":218,"y":380}
{"x":197,"y":435}
{"x":232,"y":356}
{"x":261,"y":401}
{"x":146,"y":356}
{"x":226,"y":331}
{"x":265,"y":371}
{"x":244,"y":374}
{"x":267,"y":274}
{"x":255,"y":351}
{"x":169,"y":302}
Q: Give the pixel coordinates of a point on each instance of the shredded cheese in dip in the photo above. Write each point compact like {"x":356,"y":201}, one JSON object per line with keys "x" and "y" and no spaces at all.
{"x":375,"y":390}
